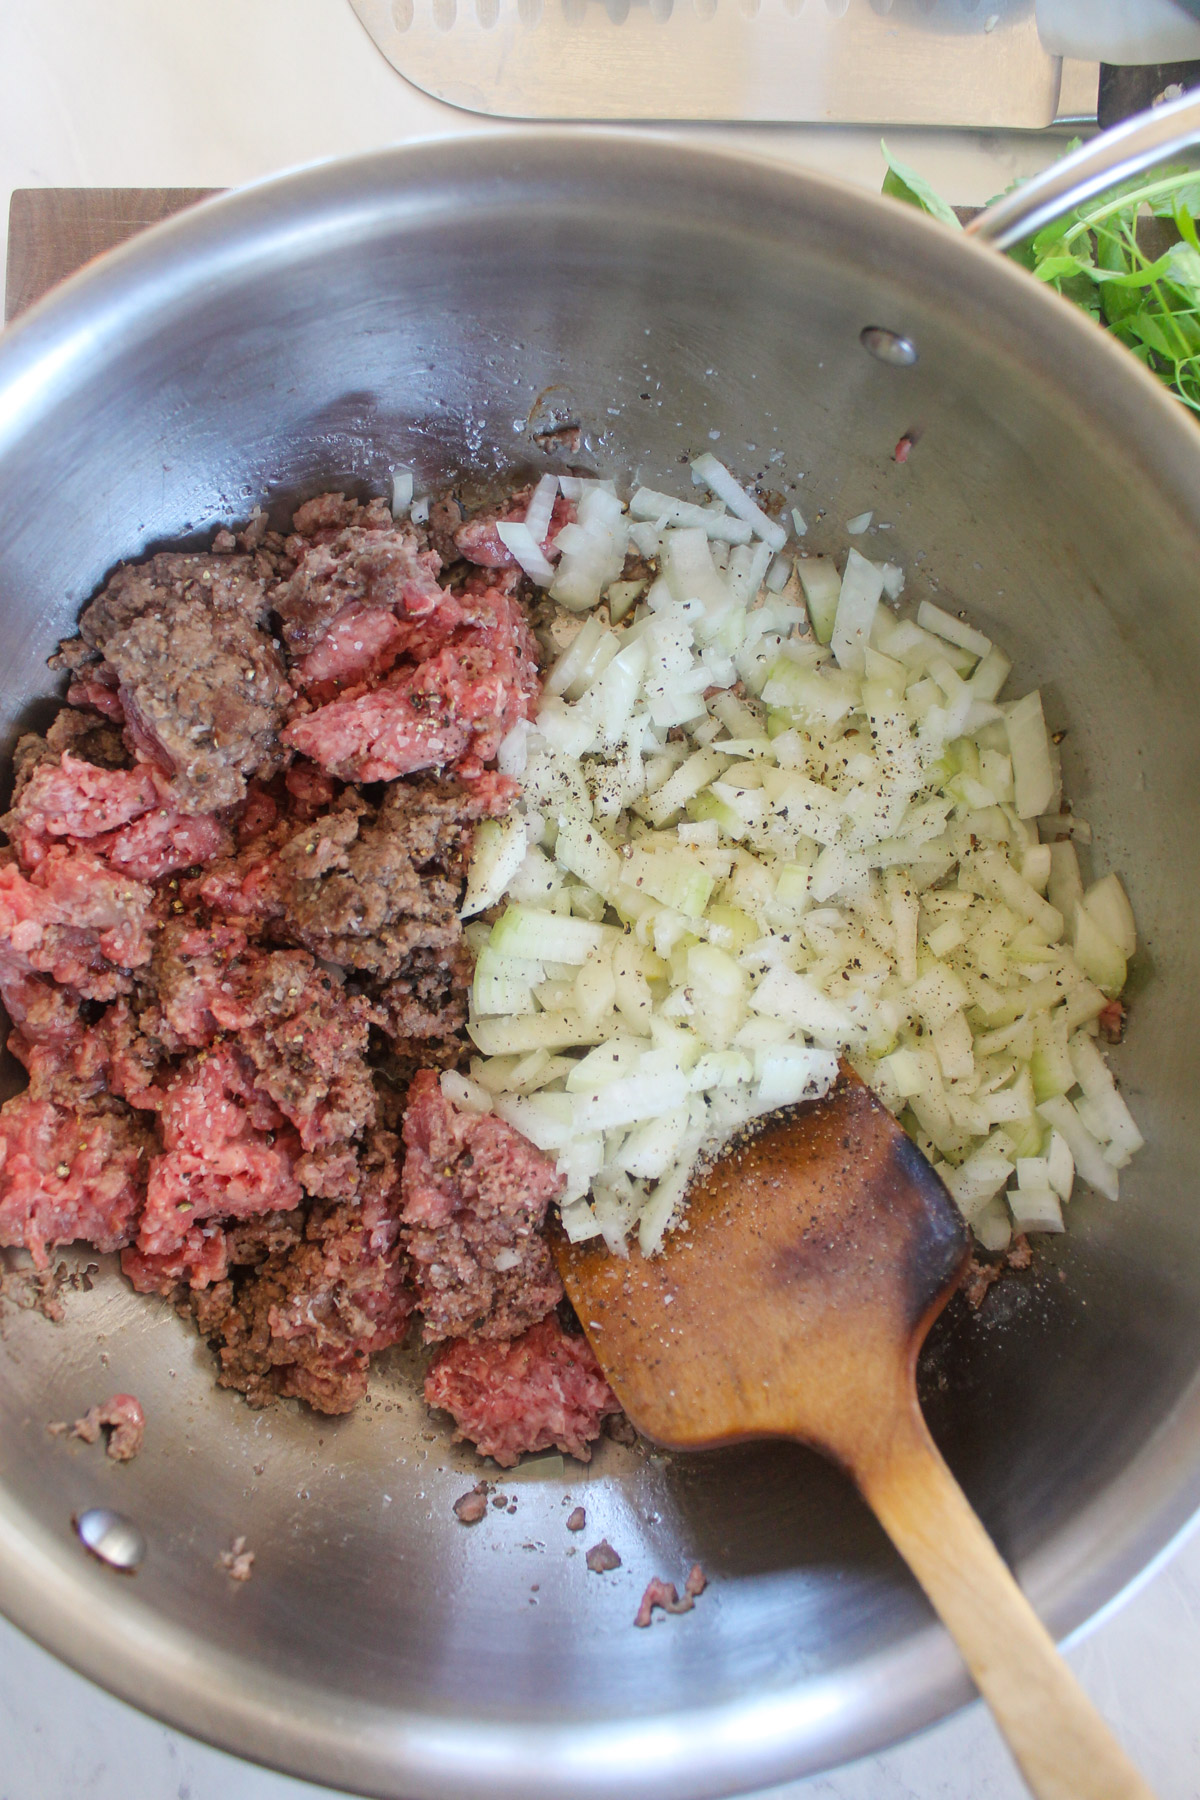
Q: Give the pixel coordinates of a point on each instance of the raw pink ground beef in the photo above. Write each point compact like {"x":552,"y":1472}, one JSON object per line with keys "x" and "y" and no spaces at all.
{"x":226,"y":1154}
{"x":452,"y":708}
{"x":67,"y":1175}
{"x":74,"y":920}
{"x":542,"y":1391}
{"x":233,"y":975}
{"x":126,"y":1423}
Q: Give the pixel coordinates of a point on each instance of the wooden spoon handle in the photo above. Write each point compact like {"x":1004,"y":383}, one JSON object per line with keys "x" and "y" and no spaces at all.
{"x":1061,"y":1744}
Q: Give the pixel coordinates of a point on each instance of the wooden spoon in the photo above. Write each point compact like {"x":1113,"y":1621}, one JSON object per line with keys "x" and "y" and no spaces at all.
{"x":816,"y":1255}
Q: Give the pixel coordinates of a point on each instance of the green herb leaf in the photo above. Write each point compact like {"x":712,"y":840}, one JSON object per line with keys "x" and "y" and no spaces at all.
{"x":903,"y":183}
{"x":1095,"y":260}
{"x":1183,"y":262}
{"x":1055,"y":268}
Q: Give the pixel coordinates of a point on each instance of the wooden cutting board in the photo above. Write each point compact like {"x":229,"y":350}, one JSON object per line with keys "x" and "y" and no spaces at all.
{"x":54,"y":231}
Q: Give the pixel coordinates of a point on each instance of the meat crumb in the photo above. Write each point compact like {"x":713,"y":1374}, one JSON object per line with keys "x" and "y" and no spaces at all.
{"x":577,"y":1520}
{"x":125,"y":1421}
{"x":1020,"y":1254}
{"x":1112,"y":1022}
{"x":602,"y":1557}
{"x":237,"y":1561}
{"x":663,"y":1594}
{"x":980,"y":1275}
{"x":978,"y":1279}
{"x":469,"y":1508}
{"x":33,"y":1290}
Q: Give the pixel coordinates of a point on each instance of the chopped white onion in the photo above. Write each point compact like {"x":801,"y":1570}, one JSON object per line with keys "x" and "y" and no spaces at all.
{"x":402,"y":491}
{"x":861,"y":591}
{"x":955,"y":631}
{"x":715,"y":476}
{"x":739,"y":854}
{"x":647,"y":503}
{"x":518,"y":538}
{"x":541,"y":508}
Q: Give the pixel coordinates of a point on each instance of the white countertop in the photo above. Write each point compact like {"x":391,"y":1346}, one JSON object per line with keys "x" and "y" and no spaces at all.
{"x":145,"y":93}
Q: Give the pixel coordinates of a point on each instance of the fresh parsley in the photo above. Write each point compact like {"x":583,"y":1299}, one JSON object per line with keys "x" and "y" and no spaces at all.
{"x":1129,"y":257}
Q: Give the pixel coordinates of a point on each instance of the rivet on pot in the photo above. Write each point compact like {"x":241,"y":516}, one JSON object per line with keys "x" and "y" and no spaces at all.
{"x":891,"y":347}
{"x":111,"y":1538}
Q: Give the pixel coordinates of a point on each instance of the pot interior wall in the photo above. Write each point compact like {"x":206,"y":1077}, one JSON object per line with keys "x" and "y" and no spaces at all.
{"x":445,"y":316}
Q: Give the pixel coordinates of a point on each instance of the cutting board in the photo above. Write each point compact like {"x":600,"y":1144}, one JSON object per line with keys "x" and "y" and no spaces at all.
{"x":54,"y":231}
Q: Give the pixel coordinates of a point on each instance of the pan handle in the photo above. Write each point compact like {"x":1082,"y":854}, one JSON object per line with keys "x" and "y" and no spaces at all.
{"x":1159,"y":135}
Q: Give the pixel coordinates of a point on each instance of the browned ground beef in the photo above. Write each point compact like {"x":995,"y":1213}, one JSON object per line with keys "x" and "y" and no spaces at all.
{"x":350,"y":555}
{"x":198,"y":677}
{"x":311,"y":1297}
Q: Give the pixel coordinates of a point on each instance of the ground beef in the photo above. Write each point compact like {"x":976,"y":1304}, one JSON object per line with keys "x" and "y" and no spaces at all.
{"x":663,"y":1595}
{"x":304,"y":1034}
{"x":43,"y":1013}
{"x":123,"y":816}
{"x":74,"y":1157}
{"x":74,"y":920}
{"x":445,"y":518}
{"x":544,"y":1390}
{"x":224,"y":960}
{"x":351,"y":560}
{"x":301,"y":1314}
{"x":198,"y":1262}
{"x":200,"y":682}
{"x":1111,"y":1022}
{"x":126,"y":1423}
{"x":226,"y":1151}
{"x":449,"y":710}
{"x":79,"y":731}
{"x":470,"y":1508}
{"x":375,"y":889}
{"x":69,"y":1174}
{"x":602,"y":1559}
{"x":475,"y":1195}
{"x":367,"y":887}
{"x":979,"y":1275}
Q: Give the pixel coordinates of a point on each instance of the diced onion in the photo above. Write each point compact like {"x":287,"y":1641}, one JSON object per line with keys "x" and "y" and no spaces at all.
{"x":715,"y":476}
{"x":518,"y":538}
{"x":740,"y":854}
{"x":402,"y":491}
{"x":541,"y":508}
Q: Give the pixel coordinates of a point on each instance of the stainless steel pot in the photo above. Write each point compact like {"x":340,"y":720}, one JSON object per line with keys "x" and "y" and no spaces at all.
{"x":442,"y":306}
